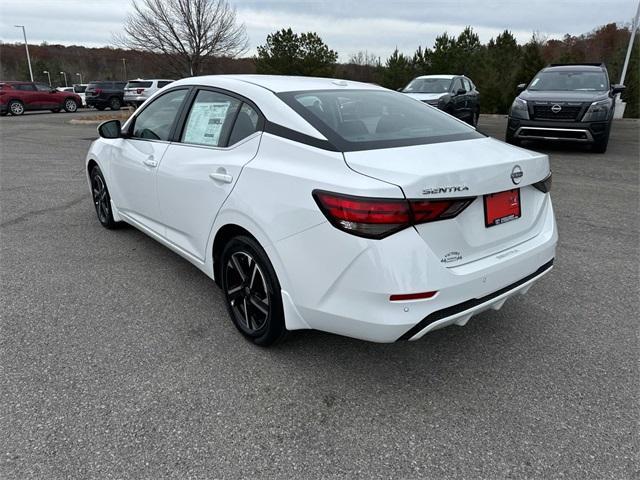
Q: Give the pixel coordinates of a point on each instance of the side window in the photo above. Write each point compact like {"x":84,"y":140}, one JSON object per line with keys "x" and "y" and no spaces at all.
{"x":467,"y":84}
{"x":155,"y":121}
{"x":25,"y":87}
{"x":41,"y":87}
{"x":163,"y":83}
{"x":246,"y":124}
{"x":457,"y":85}
{"x":210,"y":119}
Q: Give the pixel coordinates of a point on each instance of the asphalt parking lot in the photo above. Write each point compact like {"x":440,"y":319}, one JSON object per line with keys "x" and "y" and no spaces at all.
{"x":117,"y":359}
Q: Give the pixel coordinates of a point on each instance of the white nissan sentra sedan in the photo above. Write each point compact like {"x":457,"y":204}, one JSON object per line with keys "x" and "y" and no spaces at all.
{"x":328,"y":204}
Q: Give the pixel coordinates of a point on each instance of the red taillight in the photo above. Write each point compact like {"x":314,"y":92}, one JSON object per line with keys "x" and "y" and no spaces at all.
{"x":403,"y":297}
{"x":139,"y":91}
{"x":97,"y":91}
{"x":380,"y":217}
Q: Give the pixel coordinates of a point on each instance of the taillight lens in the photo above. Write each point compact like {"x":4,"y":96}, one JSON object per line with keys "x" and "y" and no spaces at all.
{"x":139,"y":91}
{"x":544,"y":185}
{"x":380,"y":217}
{"x":97,"y":91}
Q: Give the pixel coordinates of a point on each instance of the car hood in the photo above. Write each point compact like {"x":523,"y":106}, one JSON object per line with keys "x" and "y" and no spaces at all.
{"x":426,"y":96}
{"x":558,"y":96}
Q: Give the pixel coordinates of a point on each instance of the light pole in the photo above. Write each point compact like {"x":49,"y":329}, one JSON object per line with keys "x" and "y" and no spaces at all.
{"x":65,"y":78}
{"x":620,"y":105}
{"x":124,"y":67}
{"x":48,"y":76}
{"x":80,"y":75}
{"x":26,"y":46}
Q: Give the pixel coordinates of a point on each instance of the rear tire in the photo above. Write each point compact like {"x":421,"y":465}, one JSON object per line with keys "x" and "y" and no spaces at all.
{"x":16,"y":107}
{"x":102,"y":199}
{"x":252,"y":291}
{"x":115,"y":103}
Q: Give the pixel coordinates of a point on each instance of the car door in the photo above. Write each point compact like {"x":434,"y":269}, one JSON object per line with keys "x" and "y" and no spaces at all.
{"x":135,"y":159}
{"x":47,"y":97}
{"x":471,"y":101}
{"x":29,"y":96}
{"x":221,"y":134}
{"x":457,"y":100}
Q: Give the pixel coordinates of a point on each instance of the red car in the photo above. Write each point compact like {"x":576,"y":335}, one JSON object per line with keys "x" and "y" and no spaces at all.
{"x":18,"y":97}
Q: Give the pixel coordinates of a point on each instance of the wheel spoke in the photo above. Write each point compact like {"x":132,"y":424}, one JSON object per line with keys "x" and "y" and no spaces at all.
{"x":260,"y":305}
{"x":253,"y":274}
{"x":238,"y":268}
{"x":246,"y":313}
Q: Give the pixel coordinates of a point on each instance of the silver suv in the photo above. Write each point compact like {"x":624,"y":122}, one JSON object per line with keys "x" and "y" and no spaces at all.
{"x":137,"y":91}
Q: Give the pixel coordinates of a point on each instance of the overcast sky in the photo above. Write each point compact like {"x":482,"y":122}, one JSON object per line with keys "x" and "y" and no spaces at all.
{"x":376,"y":26}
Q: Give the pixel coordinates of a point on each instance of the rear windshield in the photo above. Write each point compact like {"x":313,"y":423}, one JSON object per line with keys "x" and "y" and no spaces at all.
{"x":570,"y":81}
{"x":370,"y":119}
{"x":139,"y":84}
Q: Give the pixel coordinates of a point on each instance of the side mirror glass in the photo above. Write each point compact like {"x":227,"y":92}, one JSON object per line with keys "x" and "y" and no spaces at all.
{"x":461,"y":91}
{"x":110,"y":129}
{"x":521,"y":87}
{"x":615,"y":89}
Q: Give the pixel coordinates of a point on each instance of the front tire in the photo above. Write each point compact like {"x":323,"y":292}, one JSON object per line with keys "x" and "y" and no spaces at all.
{"x":102,"y":199}
{"x":600,"y":146}
{"x":511,"y":140}
{"x":70,"y":105}
{"x":252,"y":291}
{"x":16,"y":107}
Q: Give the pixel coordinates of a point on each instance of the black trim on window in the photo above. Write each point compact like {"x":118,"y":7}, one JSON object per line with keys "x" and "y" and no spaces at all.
{"x":474,"y":302}
{"x":294,"y":135}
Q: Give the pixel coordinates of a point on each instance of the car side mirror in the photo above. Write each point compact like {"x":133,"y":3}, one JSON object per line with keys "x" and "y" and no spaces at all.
{"x":461,"y":91}
{"x":110,"y":129}
{"x":615,"y":89}
{"x":521,"y":87}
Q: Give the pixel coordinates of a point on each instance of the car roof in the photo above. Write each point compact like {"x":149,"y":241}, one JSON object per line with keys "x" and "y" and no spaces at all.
{"x":446,"y":77}
{"x":574,"y":68}
{"x":150,"y":80}
{"x":281,"y":83}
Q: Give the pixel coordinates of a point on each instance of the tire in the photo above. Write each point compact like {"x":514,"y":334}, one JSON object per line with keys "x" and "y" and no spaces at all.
{"x":511,"y":140}
{"x":601,"y":145}
{"x":115,"y":103}
{"x":252,"y":291}
{"x":102,"y":199}
{"x":16,"y":107}
{"x":70,"y":105}
{"x":474,"y":118}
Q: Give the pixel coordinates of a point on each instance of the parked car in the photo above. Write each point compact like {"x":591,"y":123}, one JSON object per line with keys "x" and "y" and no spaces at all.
{"x":567,"y":103}
{"x":105,"y":94}
{"x":78,"y":88}
{"x":18,"y":97}
{"x":137,"y":91}
{"x":328,"y":204}
{"x":454,"y":94}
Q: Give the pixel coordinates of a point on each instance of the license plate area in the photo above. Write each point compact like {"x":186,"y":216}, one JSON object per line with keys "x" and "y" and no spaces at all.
{"x":502,"y":207}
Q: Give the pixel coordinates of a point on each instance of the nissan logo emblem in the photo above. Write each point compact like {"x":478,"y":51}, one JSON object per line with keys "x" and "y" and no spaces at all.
{"x":516,"y":175}
{"x":555,"y":108}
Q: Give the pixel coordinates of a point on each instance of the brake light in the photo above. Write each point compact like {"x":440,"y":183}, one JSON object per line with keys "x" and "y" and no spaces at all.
{"x":380,"y":217}
{"x":139,"y":91}
{"x":403,"y":297}
{"x":98,"y":91}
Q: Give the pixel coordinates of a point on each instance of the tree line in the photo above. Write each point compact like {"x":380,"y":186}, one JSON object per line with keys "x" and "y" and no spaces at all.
{"x":496,"y":67}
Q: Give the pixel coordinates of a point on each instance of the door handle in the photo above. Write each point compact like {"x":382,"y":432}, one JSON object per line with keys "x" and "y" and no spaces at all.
{"x":150,"y":162}
{"x":221,"y":177}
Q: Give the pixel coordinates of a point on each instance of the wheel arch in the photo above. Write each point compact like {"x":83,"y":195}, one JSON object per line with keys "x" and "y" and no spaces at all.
{"x":221,"y":238}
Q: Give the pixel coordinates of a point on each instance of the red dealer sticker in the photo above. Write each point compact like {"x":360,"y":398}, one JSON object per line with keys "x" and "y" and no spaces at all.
{"x":501,"y":207}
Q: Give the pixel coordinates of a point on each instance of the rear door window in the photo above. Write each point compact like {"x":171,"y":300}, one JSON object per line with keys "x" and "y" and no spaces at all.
{"x":210,"y":119}
{"x":25,"y":87}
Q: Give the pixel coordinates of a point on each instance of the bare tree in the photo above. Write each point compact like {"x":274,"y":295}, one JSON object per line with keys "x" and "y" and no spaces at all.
{"x":191,"y":32}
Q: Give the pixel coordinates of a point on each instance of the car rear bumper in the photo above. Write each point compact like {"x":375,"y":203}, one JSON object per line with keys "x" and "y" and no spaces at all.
{"x":137,"y":99}
{"x":97,"y":102}
{"x":344,"y":283}
{"x":581,"y":132}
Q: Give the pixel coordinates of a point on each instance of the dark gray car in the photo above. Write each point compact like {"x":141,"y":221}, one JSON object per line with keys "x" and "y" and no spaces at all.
{"x":565,"y":102}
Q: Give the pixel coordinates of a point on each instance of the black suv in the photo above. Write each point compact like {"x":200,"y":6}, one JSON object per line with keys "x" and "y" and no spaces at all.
{"x":455,"y":94}
{"x":566,"y":102}
{"x":105,"y":94}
